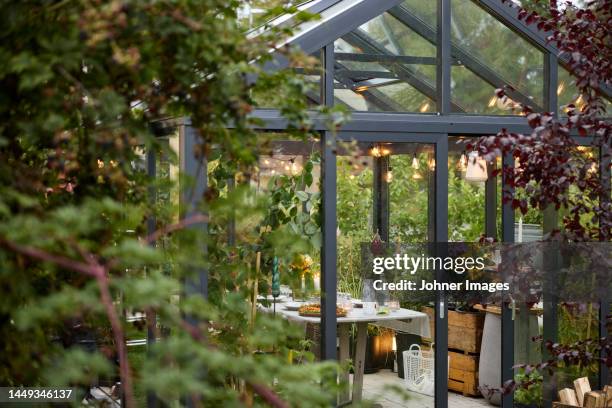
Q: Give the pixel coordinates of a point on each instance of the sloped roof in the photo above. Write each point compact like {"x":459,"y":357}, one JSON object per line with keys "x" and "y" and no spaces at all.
{"x":339,"y":17}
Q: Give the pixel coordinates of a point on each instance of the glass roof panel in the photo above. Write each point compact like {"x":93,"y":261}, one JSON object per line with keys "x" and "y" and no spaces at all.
{"x":390,"y":67}
{"x":495,"y":54}
{"x":472,"y":94}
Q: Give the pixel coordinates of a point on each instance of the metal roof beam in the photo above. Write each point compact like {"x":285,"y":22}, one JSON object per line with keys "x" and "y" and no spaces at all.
{"x":404,"y":59}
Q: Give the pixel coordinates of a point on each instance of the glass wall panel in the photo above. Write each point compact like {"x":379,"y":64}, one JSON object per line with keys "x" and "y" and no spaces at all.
{"x":466,"y":199}
{"x":387,"y":66}
{"x":496,"y":55}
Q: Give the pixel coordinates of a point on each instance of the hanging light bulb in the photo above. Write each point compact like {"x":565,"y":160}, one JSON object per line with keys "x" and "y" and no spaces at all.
{"x":432,"y":164}
{"x":415,"y":162}
{"x":294,"y":167}
{"x":375,"y":151}
{"x":389,"y":175}
{"x":463,"y":162}
{"x":476,"y":168}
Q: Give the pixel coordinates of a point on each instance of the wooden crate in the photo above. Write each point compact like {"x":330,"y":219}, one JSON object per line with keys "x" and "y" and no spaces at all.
{"x":463,"y":373}
{"x":464,"y":329}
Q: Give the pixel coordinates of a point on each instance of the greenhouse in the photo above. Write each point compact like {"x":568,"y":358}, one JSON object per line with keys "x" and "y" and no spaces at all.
{"x":314,"y":252}
{"x":419,"y":78}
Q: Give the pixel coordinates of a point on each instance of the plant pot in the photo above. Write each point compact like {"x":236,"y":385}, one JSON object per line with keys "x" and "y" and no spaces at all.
{"x":403,"y":341}
{"x":490,"y":359}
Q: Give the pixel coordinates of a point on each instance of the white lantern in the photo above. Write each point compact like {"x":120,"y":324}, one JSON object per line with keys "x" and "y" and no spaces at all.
{"x":476,"y":168}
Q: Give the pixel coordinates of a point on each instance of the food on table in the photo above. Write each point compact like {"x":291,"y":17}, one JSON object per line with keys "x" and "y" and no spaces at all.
{"x":314,"y":310}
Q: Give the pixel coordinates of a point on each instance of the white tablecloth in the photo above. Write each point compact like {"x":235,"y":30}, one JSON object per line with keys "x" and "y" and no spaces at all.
{"x":402,"y":320}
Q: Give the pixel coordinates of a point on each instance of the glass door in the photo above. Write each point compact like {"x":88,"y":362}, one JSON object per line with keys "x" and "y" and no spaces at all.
{"x":386,"y":205}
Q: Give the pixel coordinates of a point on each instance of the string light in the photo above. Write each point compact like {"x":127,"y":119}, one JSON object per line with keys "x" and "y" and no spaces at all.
{"x":432,"y":164}
{"x":389,"y":175}
{"x":379,"y":151}
{"x":463,"y":162}
{"x":294,"y":167}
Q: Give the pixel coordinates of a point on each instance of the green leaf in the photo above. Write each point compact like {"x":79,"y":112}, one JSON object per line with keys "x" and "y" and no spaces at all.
{"x":302,"y":195}
{"x":308,"y":179}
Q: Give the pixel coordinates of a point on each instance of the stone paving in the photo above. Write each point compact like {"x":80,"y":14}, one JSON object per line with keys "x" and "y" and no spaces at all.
{"x":378,"y":388}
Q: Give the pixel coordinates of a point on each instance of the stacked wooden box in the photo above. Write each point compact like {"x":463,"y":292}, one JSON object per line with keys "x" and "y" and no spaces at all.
{"x":464,"y":339}
{"x":582,"y":396}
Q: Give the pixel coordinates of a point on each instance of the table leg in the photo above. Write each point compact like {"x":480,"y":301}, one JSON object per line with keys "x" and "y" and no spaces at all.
{"x":360,"y":350}
{"x":344,"y":356}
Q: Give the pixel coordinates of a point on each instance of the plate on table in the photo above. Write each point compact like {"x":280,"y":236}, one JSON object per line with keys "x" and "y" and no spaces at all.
{"x":293,"y":306}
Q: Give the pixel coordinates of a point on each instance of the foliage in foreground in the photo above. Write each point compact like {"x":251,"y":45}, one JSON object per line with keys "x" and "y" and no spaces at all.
{"x":80,"y":85}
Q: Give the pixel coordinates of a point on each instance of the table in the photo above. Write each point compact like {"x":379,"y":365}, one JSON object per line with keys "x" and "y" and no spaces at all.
{"x":404,"y":320}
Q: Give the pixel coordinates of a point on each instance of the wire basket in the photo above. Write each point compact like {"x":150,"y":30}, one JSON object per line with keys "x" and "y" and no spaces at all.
{"x":419,"y":370}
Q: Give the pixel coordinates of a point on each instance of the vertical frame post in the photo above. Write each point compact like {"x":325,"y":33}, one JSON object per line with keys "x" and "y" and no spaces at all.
{"x":196,"y":169}
{"x":151,"y":227}
{"x":491,"y":203}
{"x":441,"y":309}
{"x":381,"y":197}
{"x":443,"y":67}
{"x":507,"y":338}
{"x":550,"y":326}
{"x":328,"y":216}
{"x":604,"y":305}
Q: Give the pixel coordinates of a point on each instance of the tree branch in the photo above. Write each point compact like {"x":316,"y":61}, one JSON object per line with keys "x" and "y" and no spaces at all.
{"x":168,"y":229}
